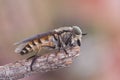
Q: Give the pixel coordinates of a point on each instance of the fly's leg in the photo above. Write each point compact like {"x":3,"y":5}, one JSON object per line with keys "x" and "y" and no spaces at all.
{"x":57,"y":39}
{"x":31,"y":57}
{"x":33,"y":61}
{"x":53,"y":47}
{"x":34,"y":57}
{"x":68,"y":40}
{"x":60,"y":42}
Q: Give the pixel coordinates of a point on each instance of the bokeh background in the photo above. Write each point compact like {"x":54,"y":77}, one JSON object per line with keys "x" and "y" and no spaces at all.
{"x":100,"y":50}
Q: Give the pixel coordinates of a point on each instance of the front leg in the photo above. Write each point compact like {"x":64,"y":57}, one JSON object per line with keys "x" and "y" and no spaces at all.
{"x":61,"y":42}
{"x":57,"y":40}
{"x":68,"y":40}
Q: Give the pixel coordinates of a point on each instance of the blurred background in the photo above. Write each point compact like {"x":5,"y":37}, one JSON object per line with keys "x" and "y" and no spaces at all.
{"x":100,"y":50}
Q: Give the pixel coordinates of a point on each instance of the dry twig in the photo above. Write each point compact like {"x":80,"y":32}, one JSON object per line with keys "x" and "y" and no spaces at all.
{"x":48,"y":62}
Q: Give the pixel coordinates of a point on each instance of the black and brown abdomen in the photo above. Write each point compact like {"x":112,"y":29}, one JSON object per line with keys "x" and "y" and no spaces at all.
{"x":34,"y":45}
{"x":28,"y":47}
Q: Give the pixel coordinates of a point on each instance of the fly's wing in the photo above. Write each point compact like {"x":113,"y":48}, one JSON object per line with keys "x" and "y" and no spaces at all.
{"x":20,"y":47}
{"x":34,"y":37}
{"x":23,"y":43}
{"x":26,"y":40}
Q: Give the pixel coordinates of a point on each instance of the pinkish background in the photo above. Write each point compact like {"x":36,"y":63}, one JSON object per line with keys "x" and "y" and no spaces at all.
{"x":100,"y":50}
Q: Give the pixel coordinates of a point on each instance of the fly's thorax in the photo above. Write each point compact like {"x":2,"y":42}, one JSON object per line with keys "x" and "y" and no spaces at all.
{"x":63,"y":29}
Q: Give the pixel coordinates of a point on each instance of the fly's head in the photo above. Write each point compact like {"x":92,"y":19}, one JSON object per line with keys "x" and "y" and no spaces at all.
{"x":77,"y":32}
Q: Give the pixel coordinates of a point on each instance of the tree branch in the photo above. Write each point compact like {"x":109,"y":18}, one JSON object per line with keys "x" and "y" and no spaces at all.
{"x":45,"y":63}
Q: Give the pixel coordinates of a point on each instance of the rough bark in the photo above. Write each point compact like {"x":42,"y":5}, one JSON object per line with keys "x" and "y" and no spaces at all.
{"x":45,"y":63}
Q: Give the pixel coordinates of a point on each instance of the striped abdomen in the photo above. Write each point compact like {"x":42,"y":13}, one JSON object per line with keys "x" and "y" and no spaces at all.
{"x":34,"y":45}
{"x":30,"y":47}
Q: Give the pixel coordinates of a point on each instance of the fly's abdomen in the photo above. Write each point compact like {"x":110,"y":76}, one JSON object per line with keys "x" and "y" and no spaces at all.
{"x":26,"y":48}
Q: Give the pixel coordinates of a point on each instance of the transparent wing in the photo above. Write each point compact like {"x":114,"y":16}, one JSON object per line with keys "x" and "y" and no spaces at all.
{"x":33,"y":37}
{"x":20,"y":47}
{"x":26,"y":40}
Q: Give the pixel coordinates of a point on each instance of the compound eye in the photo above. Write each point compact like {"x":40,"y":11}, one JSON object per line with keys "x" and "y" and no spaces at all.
{"x":77,"y":30}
